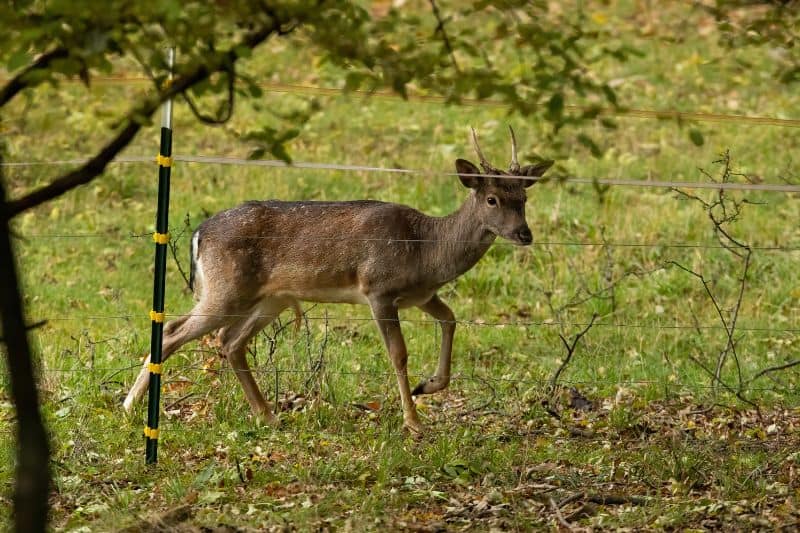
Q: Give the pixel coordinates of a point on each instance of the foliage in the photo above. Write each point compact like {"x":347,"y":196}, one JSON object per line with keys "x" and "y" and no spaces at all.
{"x":529,"y":55}
{"x":774,"y":26}
{"x":651,"y":451}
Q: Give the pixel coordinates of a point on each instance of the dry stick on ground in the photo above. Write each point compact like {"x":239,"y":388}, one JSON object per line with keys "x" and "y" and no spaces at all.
{"x":560,"y":517}
{"x":603,"y":499}
{"x":487,"y":384}
{"x":179,"y":400}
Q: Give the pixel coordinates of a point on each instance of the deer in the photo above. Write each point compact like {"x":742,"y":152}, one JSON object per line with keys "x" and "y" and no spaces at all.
{"x":251,"y":262}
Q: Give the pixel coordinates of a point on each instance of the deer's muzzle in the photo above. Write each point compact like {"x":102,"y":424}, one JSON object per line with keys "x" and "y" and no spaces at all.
{"x":523,"y":235}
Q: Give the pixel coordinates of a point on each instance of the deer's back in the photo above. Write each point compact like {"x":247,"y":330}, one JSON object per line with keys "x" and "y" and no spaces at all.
{"x":317,"y":251}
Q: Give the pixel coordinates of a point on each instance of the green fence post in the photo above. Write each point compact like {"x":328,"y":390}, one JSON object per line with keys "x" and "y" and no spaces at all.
{"x":161,"y":238}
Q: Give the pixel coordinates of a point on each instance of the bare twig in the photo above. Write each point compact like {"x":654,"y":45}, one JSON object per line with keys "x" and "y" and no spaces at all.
{"x":729,"y":328}
{"x":173,"y":246}
{"x":570,"y":352}
{"x":714,"y":379}
{"x":722,"y":211}
{"x":775,"y":368}
{"x":560,"y":517}
{"x":487,"y":384}
{"x":440,"y":29}
{"x":318,"y":365}
{"x":226,"y":111}
{"x":178,"y":401}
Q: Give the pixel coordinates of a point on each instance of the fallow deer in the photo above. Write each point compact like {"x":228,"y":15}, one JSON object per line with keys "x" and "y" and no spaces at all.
{"x":253,"y":261}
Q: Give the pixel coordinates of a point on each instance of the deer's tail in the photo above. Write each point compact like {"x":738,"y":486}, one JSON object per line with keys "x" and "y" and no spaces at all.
{"x":193,"y":258}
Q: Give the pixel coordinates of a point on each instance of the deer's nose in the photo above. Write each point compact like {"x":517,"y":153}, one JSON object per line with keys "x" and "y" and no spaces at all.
{"x":524,"y":235}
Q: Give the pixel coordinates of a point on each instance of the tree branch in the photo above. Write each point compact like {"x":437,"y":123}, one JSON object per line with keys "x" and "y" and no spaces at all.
{"x":97,"y":164}
{"x":441,"y":30}
{"x":222,"y":116}
{"x":20,"y":82}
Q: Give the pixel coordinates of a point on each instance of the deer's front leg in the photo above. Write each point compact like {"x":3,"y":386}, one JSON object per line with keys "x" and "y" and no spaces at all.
{"x":385,"y":314}
{"x":447,"y":320}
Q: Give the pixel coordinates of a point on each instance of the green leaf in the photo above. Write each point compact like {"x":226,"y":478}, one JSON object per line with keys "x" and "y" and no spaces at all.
{"x":204,"y":476}
{"x":352,"y":81}
{"x":611,"y":96}
{"x":208,"y":497}
{"x":696,"y":137}
{"x":258,"y":153}
{"x":243,"y":51}
{"x":555,"y":106}
{"x":279,"y":151}
{"x":589,"y":143}
{"x":608,"y":123}
{"x":18,"y":59}
{"x":255,"y":90}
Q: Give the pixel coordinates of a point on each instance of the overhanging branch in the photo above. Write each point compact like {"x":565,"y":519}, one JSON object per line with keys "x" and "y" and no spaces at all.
{"x":97,"y":164}
{"x":20,"y":82}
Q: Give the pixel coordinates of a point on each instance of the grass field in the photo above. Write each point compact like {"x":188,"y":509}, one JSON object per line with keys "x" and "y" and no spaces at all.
{"x":661,"y":446}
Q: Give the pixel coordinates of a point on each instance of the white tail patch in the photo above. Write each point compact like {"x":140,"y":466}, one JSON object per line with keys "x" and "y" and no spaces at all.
{"x":198,"y":277}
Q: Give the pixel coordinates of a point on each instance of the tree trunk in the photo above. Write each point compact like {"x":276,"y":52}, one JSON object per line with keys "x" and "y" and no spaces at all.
{"x":33,"y":451}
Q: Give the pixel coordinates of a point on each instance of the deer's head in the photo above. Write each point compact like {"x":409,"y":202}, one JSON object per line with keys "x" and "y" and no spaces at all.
{"x":500,"y":195}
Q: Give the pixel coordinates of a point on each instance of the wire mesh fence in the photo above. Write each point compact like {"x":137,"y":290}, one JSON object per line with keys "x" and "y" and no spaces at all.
{"x":621,"y":111}
{"x":301,"y":165}
{"x":102,"y":373}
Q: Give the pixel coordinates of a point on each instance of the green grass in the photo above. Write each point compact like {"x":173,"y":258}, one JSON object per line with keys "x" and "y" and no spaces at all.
{"x":493,"y":457}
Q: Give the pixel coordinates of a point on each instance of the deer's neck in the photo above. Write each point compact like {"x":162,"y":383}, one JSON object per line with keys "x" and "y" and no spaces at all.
{"x":459,"y":240}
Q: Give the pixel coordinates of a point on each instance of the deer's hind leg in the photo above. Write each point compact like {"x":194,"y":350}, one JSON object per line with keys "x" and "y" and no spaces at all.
{"x":176,"y":333}
{"x":234,"y":345}
{"x":447,"y":320}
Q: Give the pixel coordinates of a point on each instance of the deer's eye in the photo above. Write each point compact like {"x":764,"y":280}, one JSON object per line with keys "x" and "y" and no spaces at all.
{"x":491,"y":200}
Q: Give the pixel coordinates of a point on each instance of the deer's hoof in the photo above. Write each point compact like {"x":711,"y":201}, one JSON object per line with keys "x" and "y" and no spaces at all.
{"x":430,"y":385}
{"x":266,"y":418}
{"x":414,"y":428}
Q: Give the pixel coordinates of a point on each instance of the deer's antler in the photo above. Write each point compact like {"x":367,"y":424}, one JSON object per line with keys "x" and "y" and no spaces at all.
{"x":514,"y":167}
{"x":488,"y":168}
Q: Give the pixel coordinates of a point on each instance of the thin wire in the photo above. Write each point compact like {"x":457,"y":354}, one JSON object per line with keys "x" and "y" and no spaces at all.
{"x":766,"y":187}
{"x":420,"y":375}
{"x":632,"y":113}
{"x":78,"y":161}
{"x":117,"y":235}
{"x":471,"y":323}
{"x":665,"y":114}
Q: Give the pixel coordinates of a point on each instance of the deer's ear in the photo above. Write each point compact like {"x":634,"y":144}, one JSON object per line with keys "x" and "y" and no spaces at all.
{"x":464,"y":169}
{"x":535,"y":171}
